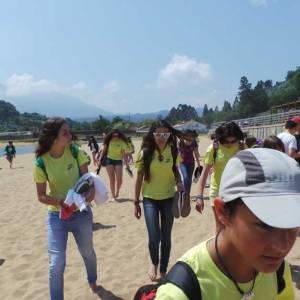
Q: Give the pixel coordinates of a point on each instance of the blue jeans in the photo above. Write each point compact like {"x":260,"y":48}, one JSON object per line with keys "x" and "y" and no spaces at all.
{"x":80,"y":224}
{"x":187,"y":175}
{"x":153,"y":211}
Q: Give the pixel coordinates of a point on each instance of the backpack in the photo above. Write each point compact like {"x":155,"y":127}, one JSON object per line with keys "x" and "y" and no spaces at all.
{"x":74,"y":151}
{"x":181,"y":275}
{"x":216,"y":147}
{"x":184,"y":277}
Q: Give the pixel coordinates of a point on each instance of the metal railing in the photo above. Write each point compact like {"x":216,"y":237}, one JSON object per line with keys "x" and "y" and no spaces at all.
{"x":270,"y":119}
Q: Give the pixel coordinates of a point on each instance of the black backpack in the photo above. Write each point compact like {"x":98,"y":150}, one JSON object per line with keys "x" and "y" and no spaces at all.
{"x":184,"y":277}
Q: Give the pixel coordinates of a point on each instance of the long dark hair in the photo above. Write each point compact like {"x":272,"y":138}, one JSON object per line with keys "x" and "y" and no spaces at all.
{"x":108,"y":137}
{"x":148,"y":144}
{"x":48,"y":134}
{"x":226,"y":130}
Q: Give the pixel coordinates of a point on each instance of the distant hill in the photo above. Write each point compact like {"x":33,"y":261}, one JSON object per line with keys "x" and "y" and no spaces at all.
{"x":137,"y":117}
{"x":55,"y":104}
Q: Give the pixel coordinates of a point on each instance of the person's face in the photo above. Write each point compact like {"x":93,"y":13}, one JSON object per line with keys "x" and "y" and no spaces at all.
{"x":261,"y":246}
{"x":64,"y":136}
{"x":161,"y":136}
{"x":189,"y":141}
{"x":230,"y":141}
{"x":298,"y":128}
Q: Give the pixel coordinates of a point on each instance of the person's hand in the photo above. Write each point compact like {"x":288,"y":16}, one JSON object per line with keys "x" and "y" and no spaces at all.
{"x":137,"y":210}
{"x":180,"y":187}
{"x":199,"y":205}
{"x":91,"y":195}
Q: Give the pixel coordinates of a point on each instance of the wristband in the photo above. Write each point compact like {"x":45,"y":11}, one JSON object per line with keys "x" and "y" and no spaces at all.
{"x":200,"y":197}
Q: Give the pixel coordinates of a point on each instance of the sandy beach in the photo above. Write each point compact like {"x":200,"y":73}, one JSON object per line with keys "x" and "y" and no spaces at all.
{"x":120,"y":241}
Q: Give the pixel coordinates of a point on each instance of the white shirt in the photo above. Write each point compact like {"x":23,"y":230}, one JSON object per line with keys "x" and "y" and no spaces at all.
{"x":289,"y":141}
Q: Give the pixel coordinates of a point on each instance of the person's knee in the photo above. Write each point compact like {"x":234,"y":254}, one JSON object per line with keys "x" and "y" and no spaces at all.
{"x":57,"y":263}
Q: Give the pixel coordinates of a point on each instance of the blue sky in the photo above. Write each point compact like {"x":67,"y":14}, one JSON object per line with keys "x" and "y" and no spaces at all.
{"x":143,"y":56}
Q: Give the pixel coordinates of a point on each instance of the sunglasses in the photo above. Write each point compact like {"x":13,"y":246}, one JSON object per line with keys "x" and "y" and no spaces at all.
{"x":163,"y":135}
{"x":230,"y":141}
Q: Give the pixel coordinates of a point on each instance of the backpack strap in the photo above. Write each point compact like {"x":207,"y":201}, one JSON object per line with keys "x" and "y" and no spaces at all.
{"x":183,"y":276}
{"x":280,"y":278}
{"x":40,"y":163}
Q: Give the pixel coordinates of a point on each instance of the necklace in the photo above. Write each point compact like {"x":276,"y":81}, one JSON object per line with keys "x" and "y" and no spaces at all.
{"x":245,"y":295}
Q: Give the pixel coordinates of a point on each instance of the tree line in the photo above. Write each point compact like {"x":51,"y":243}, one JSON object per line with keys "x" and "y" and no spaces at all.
{"x":251,"y":101}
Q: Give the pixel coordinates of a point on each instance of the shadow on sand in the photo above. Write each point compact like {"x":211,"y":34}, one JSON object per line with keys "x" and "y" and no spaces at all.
{"x":2,"y":261}
{"x":107,"y":295}
{"x":98,"y":226}
{"x":121,"y":200}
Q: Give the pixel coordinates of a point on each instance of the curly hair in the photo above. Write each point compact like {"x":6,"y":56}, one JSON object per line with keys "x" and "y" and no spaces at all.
{"x":48,"y":134}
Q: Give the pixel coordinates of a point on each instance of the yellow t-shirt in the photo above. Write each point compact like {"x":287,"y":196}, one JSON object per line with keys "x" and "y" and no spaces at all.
{"x":116,"y":148}
{"x":162,"y":180}
{"x":223,"y":156}
{"x":216,"y":286}
{"x":62,"y":173}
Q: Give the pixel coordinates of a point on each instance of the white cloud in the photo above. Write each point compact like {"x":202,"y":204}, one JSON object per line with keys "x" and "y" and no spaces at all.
{"x":184,"y":70}
{"x":25,"y":84}
{"x":19,"y":85}
{"x":111,"y":87}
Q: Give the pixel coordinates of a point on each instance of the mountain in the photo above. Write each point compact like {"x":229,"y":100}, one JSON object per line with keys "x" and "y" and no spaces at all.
{"x":55,"y":104}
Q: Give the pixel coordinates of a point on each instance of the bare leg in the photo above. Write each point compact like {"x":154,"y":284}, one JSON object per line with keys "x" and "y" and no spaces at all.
{"x":119,"y":178}
{"x":111,"y":174}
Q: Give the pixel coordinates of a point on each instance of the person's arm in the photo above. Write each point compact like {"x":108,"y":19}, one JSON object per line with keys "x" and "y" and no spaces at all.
{"x":44,"y":198}
{"x":102,"y":153}
{"x":179,"y":185}
{"x":197,"y":156}
{"x":137,"y":192}
{"x":83,"y":170}
{"x":201,"y":186}
{"x":293,"y":153}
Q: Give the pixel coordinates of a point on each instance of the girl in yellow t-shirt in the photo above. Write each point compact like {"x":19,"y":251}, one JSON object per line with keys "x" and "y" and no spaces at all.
{"x":226,"y":145}
{"x":112,"y":155}
{"x":61,"y":170}
{"x":157,"y":177}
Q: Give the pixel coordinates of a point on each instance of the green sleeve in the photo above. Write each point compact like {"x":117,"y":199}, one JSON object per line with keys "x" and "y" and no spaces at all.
{"x":39,"y":175}
{"x":170,"y":291}
{"x":82,"y":158}
{"x":209,"y":156}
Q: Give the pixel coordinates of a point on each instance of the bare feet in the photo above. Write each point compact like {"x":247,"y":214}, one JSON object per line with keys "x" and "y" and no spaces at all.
{"x":112,"y":200}
{"x":152,"y":272}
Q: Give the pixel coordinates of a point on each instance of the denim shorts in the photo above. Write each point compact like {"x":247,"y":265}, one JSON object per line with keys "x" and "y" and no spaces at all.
{"x":114,"y":162}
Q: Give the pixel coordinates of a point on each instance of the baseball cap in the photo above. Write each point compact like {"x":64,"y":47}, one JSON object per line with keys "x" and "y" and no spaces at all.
{"x":296,"y":119}
{"x":268,"y":182}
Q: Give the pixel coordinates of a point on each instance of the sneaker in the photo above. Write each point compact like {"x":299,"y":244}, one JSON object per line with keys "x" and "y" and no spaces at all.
{"x":176,"y":205}
{"x":185,"y":204}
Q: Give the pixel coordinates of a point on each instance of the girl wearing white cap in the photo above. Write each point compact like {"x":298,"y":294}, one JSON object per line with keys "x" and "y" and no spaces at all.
{"x":258,"y":209}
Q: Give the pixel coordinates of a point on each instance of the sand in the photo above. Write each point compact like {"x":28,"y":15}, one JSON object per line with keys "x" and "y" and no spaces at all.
{"x":120,"y":241}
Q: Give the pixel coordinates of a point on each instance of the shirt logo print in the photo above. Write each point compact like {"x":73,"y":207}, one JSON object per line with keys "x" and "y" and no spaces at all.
{"x":70,"y":166}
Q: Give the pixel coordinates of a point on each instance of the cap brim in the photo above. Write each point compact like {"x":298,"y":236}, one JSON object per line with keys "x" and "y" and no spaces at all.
{"x":280,"y":211}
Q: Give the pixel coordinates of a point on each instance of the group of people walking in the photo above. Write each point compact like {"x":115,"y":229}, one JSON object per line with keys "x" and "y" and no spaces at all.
{"x":242,"y":183}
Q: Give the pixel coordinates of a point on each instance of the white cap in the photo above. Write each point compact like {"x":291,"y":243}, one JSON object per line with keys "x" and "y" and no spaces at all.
{"x":268,"y":182}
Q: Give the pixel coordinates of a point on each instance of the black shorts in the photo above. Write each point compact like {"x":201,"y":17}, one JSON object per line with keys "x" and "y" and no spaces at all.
{"x":113,"y":162}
